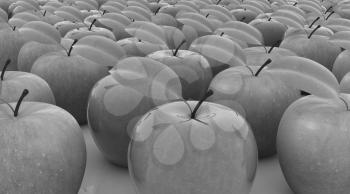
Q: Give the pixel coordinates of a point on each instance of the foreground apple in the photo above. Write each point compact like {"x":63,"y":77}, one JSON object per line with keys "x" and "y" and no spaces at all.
{"x":313,"y":145}
{"x":136,"y":85}
{"x":192,"y":147}
{"x":42,"y":149}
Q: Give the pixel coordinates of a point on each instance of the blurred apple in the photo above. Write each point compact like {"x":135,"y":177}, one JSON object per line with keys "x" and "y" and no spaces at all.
{"x":135,"y":47}
{"x":192,"y":147}
{"x":135,"y":86}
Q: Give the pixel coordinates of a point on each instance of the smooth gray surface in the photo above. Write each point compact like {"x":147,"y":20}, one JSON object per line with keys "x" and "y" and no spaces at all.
{"x":102,"y":177}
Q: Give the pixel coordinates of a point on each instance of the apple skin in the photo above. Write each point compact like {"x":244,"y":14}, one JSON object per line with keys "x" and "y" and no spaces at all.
{"x":272,"y":31}
{"x":345,"y":84}
{"x":174,"y":154}
{"x":11,"y":42}
{"x":317,"y":48}
{"x":264,"y":99}
{"x":71,"y":79}
{"x":31,"y":51}
{"x":15,"y":82}
{"x":115,"y":105}
{"x":42,"y":150}
{"x":134,"y":47}
{"x":245,"y":16}
{"x":192,"y":68}
{"x":313,"y":146}
{"x":341,"y":65}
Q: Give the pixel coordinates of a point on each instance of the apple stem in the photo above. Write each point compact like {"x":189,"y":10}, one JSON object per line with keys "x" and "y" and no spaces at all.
{"x":4,"y":68}
{"x":44,"y":13}
{"x":207,"y":95}
{"x":250,"y":69}
{"x":104,"y":12}
{"x":24,"y":94}
{"x":295,"y":4}
{"x":268,"y":61}
{"x":157,"y":10}
{"x":310,"y":26}
{"x":219,"y":1}
{"x":269,"y":19}
{"x":178,"y":47}
{"x":330,"y":14}
{"x":329,"y":8}
{"x":92,"y":23}
{"x":273,"y":46}
{"x":222,"y":33}
{"x":346,"y":104}
{"x":207,"y":15}
{"x":313,"y":31}
{"x":13,"y":28}
{"x":71,"y":47}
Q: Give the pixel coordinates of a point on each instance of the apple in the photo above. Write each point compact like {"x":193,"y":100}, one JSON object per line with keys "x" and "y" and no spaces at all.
{"x":220,"y":51}
{"x":41,"y":32}
{"x":14,"y":82}
{"x":313,"y":145}
{"x":31,"y":51}
{"x":262,"y":96}
{"x":21,"y":18}
{"x":345,"y":84}
{"x":65,"y":26}
{"x":99,"y":49}
{"x":341,"y":65}
{"x":11,"y":42}
{"x":136,"y":85}
{"x":135,"y":47}
{"x":257,"y":54}
{"x":244,"y":15}
{"x":91,"y":30}
{"x":71,"y":78}
{"x":192,"y":68}
{"x":192,"y":147}
{"x":272,"y":30}
{"x":315,"y":47}
{"x":42,"y":150}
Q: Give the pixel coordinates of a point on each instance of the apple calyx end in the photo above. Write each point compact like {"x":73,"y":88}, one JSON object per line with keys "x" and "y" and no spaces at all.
{"x":313,"y":31}
{"x":24,"y":94}
{"x":207,"y":95}
{"x":268,"y":61}
{"x":7,"y":63}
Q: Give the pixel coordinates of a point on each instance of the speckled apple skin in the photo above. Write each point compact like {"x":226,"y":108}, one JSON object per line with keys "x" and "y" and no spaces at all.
{"x":42,"y":150}
{"x":313,"y":146}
